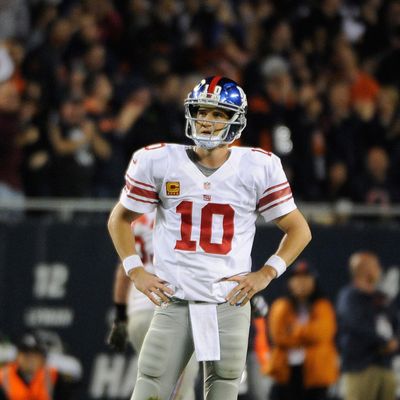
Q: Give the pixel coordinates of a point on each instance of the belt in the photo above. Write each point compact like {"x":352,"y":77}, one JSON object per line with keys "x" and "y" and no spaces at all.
{"x":179,"y":301}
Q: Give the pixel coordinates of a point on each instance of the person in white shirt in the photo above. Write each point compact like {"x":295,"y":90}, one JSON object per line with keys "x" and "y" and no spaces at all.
{"x":207,"y":199}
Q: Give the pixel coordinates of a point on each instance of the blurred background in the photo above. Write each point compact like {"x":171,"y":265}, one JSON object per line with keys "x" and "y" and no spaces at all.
{"x":85,"y":83}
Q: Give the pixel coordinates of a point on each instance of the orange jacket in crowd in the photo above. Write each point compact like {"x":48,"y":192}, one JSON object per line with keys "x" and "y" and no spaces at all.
{"x":40,"y":388}
{"x":261,"y":345}
{"x":321,"y":364}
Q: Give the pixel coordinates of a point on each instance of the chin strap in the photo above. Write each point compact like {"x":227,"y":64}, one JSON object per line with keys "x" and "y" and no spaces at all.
{"x":207,"y":144}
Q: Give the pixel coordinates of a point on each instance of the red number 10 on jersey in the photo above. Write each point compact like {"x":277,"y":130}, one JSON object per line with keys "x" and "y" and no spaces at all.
{"x":185,"y":208}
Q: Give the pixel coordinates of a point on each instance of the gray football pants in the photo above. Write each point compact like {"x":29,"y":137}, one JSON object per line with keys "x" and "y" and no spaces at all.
{"x":138,"y":325}
{"x":168,"y":347}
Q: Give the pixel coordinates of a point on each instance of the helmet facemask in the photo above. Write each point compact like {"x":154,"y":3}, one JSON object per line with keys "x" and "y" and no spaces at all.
{"x":231,"y":132}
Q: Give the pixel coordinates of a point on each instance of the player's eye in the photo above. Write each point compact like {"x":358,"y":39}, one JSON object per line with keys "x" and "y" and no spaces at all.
{"x":202,"y":113}
{"x":220,"y":115}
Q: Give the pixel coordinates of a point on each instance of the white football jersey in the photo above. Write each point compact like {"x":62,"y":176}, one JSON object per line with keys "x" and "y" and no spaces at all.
{"x":142,"y":229}
{"x":205,"y":226}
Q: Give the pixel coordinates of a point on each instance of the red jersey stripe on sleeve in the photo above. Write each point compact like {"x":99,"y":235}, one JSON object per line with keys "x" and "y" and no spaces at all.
{"x":141,"y":200}
{"x":141,"y":192}
{"x":275,"y":187}
{"x":276,"y":204}
{"x":132,"y":181}
{"x":274,"y":196}
{"x":141,"y":189}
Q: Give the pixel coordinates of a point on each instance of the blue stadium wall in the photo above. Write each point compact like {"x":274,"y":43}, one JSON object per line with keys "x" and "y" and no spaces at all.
{"x":58,"y":276}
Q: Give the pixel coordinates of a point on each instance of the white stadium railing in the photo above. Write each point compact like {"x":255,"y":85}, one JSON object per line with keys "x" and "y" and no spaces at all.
{"x":315,"y":212}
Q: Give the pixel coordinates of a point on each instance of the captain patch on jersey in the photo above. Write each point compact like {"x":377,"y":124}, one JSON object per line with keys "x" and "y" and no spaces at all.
{"x":173,"y":188}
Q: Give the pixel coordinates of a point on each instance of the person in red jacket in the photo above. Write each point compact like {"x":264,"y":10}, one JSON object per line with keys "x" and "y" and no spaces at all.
{"x":302,"y":325}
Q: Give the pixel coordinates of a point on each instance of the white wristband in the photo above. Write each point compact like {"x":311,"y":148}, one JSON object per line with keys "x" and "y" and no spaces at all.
{"x":131,"y":262}
{"x":277,"y":263}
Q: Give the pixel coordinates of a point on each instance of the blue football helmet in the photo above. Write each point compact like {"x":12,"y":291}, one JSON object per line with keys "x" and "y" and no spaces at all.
{"x":216,"y":92}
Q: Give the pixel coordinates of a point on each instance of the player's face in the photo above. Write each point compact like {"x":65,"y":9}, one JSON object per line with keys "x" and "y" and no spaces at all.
{"x":211,"y":120}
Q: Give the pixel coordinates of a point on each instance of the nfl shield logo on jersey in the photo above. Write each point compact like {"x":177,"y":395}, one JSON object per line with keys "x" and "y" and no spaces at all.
{"x":173,"y":188}
{"x":207,"y":185}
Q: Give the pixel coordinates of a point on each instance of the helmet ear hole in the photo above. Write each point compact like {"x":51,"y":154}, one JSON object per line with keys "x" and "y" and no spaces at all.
{"x":231,"y":114}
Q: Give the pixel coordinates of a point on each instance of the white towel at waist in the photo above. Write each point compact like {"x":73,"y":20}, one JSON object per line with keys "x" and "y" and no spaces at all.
{"x":204,"y":321}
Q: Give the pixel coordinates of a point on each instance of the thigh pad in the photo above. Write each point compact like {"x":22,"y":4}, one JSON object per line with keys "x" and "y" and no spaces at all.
{"x":233,"y":356}
{"x":153,"y":358}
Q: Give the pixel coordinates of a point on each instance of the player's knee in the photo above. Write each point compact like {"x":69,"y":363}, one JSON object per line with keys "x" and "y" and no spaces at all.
{"x":226,"y":370}
{"x":233,"y":359}
{"x":153,"y":358}
{"x":222,"y":389}
{"x":145,"y":388}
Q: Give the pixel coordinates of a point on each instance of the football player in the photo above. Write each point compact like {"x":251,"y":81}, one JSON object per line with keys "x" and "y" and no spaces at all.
{"x":207,"y":197}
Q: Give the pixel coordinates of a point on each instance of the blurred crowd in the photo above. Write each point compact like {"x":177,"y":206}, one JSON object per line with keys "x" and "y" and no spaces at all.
{"x":320,"y":350}
{"x":87,"y":82}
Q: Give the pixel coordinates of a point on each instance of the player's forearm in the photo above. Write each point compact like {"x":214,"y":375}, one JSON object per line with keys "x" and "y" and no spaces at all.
{"x":293,"y":243}
{"x":297,"y":236}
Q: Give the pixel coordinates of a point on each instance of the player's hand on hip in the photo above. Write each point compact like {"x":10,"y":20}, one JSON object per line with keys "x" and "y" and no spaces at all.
{"x":151,"y":285}
{"x":248,"y":286}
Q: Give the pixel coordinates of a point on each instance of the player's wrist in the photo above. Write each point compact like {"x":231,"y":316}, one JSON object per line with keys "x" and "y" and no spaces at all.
{"x":277,"y":264}
{"x":131,"y":263}
{"x":134,"y":273}
{"x":268,"y":272}
{"x":120,"y":312}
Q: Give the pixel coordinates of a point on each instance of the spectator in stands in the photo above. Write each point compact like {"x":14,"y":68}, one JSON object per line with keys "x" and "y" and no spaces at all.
{"x":304,"y":361}
{"x":75,"y":144}
{"x":389,"y":64}
{"x":137,"y":118}
{"x":374,"y":37}
{"x":309,"y":147}
{"x":376,"y":185}
{"x":14,"y":19}
{"x":388,"y":118}
{"x":110,"y":167}
{"x":342,"y":128}
{"x":321,"y":26}
{"x":48,"y":63}
{"x":107,"y":17}
{"x":277,"y":50}
{"x":363,"y":87}
{"x":273,"y":106}
{"x":10,"y":146}
{"x":36,"y":150}
{"x":337,"y":185}
{"x":380,"y":122}
{"x":367,"y":332}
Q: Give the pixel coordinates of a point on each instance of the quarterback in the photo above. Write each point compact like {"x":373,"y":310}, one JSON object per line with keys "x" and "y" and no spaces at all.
{"x":207,"y":199}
